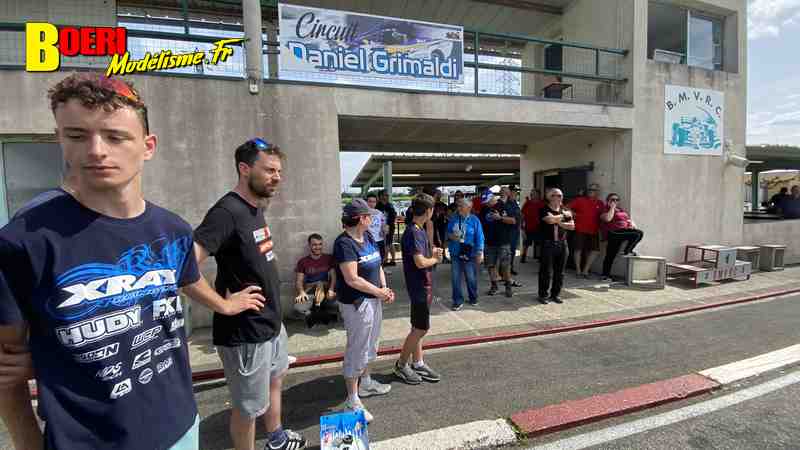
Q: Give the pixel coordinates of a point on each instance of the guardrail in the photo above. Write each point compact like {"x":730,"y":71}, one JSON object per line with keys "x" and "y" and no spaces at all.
{"x":503,"y":65}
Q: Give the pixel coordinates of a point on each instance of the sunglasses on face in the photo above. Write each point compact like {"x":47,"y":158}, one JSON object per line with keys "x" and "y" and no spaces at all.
{"x":613,"y":199}
{"x":124,"y":90}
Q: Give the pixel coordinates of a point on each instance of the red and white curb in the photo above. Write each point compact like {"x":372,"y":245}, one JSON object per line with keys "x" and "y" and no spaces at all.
{"x":569,"y":414}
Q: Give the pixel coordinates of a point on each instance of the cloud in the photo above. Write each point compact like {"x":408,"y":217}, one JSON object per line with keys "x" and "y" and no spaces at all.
{"x":766,"y":18}
{"x":790,"y":118}
{"x":789,"y":105}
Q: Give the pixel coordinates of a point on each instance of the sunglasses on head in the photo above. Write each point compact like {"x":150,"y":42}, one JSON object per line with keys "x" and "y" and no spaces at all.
{"x":124,"y":90}
{"x":260,"y":144}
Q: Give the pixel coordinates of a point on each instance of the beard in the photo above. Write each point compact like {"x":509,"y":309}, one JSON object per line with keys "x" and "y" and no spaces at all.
{"x":262,"y":190}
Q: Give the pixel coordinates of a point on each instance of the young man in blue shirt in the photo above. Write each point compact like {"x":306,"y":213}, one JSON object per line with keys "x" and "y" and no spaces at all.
{"x":418,"y":261}
{"x":96,"y":276}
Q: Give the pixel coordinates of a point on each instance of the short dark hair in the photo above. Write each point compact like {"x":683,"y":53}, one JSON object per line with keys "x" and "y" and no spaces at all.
{"x":314,"y":237}
{"x":248,"y":152}
{"x":784,"y":189}
{"x":348,"y":222}
{"x":421,"y":204}
{"x":372,"y":195}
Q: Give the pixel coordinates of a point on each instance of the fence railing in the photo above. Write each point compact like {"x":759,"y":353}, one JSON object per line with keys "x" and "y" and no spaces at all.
{"x":496,"y":64}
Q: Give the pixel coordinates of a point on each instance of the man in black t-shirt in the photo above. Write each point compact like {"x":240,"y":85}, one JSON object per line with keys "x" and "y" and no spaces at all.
{"x":499,"y":224}
{"x":252,"y":345}
{"x":385,"y":206}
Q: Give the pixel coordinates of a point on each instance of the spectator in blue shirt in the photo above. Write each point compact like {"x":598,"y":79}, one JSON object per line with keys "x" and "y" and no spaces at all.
{"x":465,"y":243}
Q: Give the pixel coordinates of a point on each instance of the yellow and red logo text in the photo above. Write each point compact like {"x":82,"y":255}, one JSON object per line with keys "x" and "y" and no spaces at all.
{"x":45,"y":45}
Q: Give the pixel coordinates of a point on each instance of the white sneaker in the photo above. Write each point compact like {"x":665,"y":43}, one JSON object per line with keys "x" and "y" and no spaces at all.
{"x":356,"y":405}
{"x":373,"y":387}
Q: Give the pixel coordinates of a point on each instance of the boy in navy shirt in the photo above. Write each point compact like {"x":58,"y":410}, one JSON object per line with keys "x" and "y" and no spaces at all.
{"x":96,"y":276}
{"x":418,"y":261}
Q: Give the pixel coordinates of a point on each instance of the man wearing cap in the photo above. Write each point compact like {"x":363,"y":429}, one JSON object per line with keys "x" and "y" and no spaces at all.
{"x":361,"y":286}
{"x":587,"y":209}
{"x":252,"y":345}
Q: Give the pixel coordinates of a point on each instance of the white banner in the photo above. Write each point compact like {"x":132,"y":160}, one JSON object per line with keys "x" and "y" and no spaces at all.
{"x":342,"y":46}
{"x":693,"y":121}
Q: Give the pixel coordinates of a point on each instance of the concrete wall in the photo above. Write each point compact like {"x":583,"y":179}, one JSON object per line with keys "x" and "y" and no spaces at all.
{"x":783,"y":232}
{"x":605,"y":24}
{"x":678,"y":199}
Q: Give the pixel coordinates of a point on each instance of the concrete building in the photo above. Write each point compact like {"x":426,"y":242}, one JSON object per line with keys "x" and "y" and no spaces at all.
{"x":610,"y":117}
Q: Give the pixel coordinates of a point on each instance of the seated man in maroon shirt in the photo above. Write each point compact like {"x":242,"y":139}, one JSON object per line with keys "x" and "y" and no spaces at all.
{"x":314,"y":283}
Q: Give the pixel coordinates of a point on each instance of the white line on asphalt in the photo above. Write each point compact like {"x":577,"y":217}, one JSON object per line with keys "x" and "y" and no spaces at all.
{"x":473,"y":435}
{"x":689,"y":412}
{"x":747,"y":368}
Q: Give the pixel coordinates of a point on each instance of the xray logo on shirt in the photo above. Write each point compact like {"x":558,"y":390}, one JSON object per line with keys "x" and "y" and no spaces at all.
{"x":263,"y":239}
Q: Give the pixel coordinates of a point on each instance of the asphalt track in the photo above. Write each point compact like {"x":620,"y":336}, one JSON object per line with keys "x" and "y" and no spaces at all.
{"x":498,"y":379}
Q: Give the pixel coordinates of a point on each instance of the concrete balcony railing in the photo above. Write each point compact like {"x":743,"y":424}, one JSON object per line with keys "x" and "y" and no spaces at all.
{"x":505,"y":65}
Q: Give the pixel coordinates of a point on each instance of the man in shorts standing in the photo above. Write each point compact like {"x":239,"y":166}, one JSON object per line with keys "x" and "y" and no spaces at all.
{"x":252,"y":345}
{"x":99,"y":288}
{"x":418,"y":261}
{"x":587,"y":210}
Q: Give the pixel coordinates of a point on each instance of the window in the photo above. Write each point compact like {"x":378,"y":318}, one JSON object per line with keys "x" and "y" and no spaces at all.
{"x":681,"y":36}
{"x":30,"y":169}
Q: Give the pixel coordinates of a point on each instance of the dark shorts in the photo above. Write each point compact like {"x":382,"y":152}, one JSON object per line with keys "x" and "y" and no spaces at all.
{"x":420,"y":314}
{"x":382,"y":249}
{"x":498,"y":256}
{"x":389,"y":238}
{"x":531,"y":237}
{"x":585,"y":242}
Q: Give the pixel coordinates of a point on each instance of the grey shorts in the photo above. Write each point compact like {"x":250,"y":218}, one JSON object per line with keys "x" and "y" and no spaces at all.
{"x":498,"y":256}
{"x":249,"y":369}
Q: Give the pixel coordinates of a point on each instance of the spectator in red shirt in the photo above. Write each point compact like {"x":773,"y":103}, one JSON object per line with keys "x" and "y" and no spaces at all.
{"x":315,"y":279}
{"x":530,"y":222}
{"x":587,"y":209}
{"x":477,"y":201}
{"x":619,"y":228}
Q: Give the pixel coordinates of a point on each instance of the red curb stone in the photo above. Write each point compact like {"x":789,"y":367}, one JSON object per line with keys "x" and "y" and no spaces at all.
{"x":577,"y":412}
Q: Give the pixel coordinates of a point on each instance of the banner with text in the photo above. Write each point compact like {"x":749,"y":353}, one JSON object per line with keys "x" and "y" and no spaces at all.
{"x":693,"y":121}
{"x":357,"y":48}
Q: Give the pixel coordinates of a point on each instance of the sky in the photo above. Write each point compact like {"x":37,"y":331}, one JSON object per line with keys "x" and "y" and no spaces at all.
{"x":773,"y":80}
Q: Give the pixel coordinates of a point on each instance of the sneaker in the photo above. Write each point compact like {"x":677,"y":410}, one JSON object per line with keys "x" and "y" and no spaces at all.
{"x":556,"y":299}
{"x":426,"y":373}
{"x":509,"y":293}
{"x":542,"y":299}
{"x":356,"y":405}
{"x":606,"y":279}
{"x":407,"y":374}
{"x":373,"y":387}
{"x":475,"y":303}
{"x":515,"y":283}
{"x":458,"y":307}
{"x":294,"y":441}
{"x":492,"y":290}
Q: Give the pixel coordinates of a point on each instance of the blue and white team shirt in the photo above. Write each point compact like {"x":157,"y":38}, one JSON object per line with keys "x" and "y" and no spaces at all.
{"x":368,"y":262}
{"x":106,"y":323}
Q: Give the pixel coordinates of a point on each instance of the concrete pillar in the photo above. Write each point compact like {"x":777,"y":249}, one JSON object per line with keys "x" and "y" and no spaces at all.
{"x":387,"y":178}
{"x":272,"y":59}
{"x":755,"y":187}
{"x":254,"y":64}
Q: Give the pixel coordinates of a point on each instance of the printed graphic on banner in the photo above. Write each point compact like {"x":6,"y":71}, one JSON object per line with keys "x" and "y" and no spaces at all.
{"x":693,"y":121}
{"x":343,"y":431}
{"x":359,"y":46}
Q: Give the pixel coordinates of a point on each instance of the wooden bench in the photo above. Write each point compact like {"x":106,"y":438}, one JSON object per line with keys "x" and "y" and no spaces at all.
{"x":772,"y":257}
{"x":698,"y":274}
{"x":749,"y":253}
{"x":660,"y":276}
